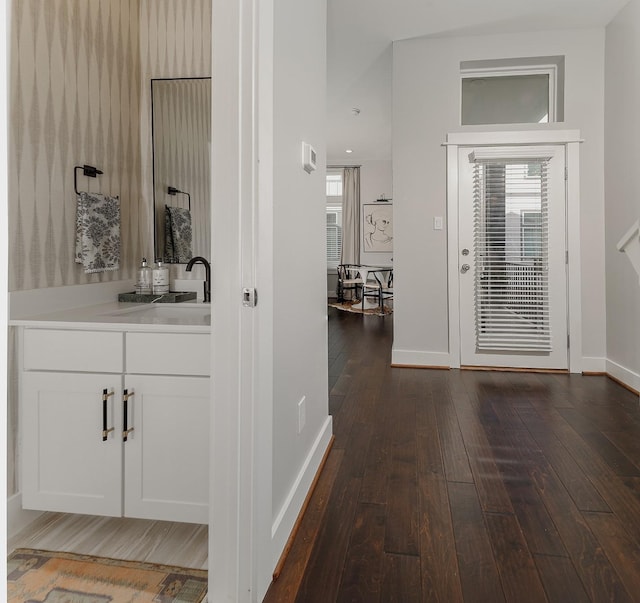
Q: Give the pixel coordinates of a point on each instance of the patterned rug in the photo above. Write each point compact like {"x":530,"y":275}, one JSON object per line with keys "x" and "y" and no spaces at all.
{"x":356,"y":307}
{"x":35,"y":576}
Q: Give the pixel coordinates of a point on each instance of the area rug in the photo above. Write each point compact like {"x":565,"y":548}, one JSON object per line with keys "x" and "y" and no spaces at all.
{"x":35,"y":576}
{"x":356,"y":307}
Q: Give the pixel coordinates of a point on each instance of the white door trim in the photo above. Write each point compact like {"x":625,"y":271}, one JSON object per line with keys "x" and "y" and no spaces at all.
{"x":571,"y":141}
{"x":241,"y":399}
{"x":5,"y":34}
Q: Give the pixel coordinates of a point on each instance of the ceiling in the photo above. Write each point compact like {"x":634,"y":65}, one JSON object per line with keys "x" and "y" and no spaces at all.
{"x":359,"y":55}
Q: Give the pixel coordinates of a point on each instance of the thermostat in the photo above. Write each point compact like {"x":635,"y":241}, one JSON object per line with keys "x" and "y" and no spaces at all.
{"x":308,"y":157}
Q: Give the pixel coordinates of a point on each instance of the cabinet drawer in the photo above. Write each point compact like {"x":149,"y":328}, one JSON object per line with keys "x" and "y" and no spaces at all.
{"x":168,"y":354}
{"x":79,"y":351}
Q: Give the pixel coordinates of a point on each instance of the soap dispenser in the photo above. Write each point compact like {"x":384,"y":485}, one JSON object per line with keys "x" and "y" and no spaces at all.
{"x":160,"y":279}
{"x":144,"y":279}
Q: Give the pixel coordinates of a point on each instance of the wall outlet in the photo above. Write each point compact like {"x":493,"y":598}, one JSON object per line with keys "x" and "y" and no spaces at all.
{"x":302,"y":413}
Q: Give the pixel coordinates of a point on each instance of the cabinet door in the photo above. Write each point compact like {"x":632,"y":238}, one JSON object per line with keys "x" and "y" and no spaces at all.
{"x":167,"y":453}
{"x":66,"y":464}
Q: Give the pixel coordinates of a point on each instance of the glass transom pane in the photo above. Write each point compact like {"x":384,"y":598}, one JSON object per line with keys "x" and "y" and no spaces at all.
{"x":505,"y":99}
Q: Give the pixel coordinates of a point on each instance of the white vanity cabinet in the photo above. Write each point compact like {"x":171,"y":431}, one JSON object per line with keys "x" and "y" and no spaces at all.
{"x":75,"y":455}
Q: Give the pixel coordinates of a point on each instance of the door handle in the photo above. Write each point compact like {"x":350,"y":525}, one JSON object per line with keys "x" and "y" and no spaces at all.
{"x":465,"y":268}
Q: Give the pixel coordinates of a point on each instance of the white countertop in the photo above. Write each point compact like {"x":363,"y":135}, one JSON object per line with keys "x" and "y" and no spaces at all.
{"x":125,"y":316}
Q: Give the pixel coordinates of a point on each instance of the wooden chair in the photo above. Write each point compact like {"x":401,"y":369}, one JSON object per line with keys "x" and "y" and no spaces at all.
{"x":348,"y":280}
{"x":379,"y":285}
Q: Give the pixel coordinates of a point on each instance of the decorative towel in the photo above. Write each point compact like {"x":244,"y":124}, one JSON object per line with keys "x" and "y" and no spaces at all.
{"x":98,"y":232}
{"x":177,"y":235}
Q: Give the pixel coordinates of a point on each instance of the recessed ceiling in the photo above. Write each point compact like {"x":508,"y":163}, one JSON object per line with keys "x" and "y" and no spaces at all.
{"x":359,"y":56}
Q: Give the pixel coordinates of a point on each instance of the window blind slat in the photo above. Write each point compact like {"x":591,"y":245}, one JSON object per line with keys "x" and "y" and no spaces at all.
{"x":511,"y":240}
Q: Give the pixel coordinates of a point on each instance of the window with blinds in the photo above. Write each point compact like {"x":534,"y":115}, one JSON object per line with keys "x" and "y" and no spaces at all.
{"x":511,"y":243}
{"x":334,"y":236}
{"x":334,"y":218}
{"x":334,"y":184}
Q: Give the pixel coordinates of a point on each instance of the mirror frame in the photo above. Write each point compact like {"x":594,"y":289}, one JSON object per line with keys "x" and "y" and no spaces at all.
{"x":192,"y":187}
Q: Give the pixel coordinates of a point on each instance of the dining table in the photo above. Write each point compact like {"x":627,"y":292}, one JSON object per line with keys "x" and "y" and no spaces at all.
{"x":365,"y":270}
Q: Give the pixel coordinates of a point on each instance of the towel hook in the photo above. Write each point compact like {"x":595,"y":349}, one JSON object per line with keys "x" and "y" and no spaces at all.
{"x":172,"y":190}
{"x":87,"y":170}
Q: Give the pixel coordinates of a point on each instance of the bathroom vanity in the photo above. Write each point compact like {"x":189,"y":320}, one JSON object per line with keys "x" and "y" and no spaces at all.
{"x":114,"y":411}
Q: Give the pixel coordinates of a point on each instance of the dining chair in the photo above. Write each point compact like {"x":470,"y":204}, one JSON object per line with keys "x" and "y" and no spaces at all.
{"x":348,"y":280}
{"x":378,"y":284}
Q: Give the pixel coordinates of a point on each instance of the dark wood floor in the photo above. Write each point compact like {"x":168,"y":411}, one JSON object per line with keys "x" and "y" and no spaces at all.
{"x":467,"y":486}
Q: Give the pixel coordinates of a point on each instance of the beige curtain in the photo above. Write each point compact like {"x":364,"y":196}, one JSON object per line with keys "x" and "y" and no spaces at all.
{"x":351,"y":216}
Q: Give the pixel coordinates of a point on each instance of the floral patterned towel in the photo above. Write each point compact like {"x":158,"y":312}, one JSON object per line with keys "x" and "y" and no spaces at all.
{"x":98,"y":232}
{"x":177,"y":235}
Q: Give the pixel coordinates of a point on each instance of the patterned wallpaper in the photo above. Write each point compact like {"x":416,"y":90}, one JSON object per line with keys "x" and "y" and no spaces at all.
{"x":80,"y":93}
{"x":175,"y":42}
{"x":75,"y":99}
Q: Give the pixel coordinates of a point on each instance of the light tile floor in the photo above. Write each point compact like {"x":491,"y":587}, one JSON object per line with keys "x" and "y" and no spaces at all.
{"x":182,"y":544}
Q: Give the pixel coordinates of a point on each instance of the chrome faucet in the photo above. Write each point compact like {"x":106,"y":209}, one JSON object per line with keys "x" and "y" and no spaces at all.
{"x":207,"y":283}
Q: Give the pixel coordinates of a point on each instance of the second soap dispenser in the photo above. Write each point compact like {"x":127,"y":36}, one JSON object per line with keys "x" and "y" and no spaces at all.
{"x":160,"y":279}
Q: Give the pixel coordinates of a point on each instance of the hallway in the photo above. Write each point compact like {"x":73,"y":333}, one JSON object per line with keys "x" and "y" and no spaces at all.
{"x":467,"y":486}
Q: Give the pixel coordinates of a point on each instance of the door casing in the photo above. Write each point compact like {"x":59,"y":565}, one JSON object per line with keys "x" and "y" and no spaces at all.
{"x":571,"y":141}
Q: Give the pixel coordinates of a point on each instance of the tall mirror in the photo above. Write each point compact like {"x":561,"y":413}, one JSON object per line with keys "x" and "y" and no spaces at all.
{"x":181,"y":130}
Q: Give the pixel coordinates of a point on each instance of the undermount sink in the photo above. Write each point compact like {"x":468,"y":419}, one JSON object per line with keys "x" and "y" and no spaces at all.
{"x":174,"y":314}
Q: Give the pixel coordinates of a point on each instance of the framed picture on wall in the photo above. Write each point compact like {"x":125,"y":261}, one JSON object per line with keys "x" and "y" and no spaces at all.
{"x":377,"y":227}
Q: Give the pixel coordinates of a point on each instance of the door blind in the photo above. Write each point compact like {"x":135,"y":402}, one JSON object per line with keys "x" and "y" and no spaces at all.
{"x":511,"y":248}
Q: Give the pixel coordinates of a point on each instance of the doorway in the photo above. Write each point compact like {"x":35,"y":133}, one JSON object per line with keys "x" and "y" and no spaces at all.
{"x":513,"y":211}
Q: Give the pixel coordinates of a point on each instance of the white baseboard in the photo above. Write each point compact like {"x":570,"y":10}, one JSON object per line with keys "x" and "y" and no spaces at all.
{"x":420,"y":359}
{"x":286,"y":518}
{"x":624,"y":375}
{"x":17,"y":517}
{"x":594,"y":365}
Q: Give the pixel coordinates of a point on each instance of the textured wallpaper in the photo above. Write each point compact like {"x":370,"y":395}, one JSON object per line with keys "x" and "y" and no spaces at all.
{"x":75,"y":98}
{"x":175,"y":42}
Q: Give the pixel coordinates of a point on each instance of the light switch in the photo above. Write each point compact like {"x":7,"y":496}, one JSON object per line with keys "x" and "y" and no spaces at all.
{"x":437,"y":223}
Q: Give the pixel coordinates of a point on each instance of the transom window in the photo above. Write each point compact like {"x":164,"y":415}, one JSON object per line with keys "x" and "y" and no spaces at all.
{"x":512,"y":91}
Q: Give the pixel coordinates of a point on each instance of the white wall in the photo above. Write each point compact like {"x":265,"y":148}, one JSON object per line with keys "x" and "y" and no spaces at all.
{"x":299,"y":284}
{"x":622,"y":190}
{"x":426,"y":101}
{"x":375,"y":180}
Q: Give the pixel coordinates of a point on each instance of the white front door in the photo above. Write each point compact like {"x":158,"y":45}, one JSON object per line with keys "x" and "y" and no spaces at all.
{"x":512,"y":257}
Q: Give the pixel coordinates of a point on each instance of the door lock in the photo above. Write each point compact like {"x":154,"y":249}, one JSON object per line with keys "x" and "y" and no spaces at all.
{"x":465,"y":268}
{"x":465,"y":252}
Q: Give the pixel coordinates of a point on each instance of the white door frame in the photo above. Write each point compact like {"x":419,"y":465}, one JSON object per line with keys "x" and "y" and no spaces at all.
{"x":240,"y":556}
{"x":571,"y":141}
{"x":5,"y":34}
